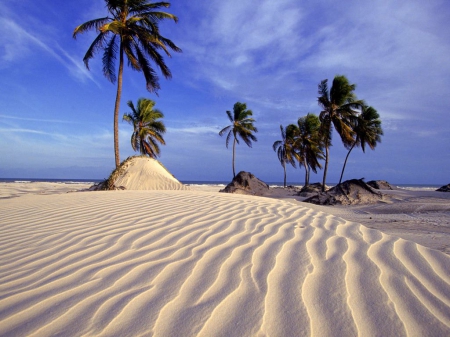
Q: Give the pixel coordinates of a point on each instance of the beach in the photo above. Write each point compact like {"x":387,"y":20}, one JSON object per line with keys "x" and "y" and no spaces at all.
{"x":196,"y":262}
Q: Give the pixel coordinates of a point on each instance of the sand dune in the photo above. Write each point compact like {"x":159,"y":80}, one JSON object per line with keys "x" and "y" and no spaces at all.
{"x":143,"y":173}
{"x":187,"y":263}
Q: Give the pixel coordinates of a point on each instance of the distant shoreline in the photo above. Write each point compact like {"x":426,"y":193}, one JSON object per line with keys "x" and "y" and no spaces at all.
{"x":419,"y":187}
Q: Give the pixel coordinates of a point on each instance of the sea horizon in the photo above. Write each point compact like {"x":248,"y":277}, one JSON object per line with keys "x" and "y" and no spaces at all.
{"x":410,"y":186}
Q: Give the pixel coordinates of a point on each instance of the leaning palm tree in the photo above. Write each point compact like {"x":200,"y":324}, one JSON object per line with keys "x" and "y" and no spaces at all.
{"x":147,"y":129}
{"x":130,"y":30}
{"x":241,"y":125}
{"x":367,"y":128}
{"x":285,"y":148}
{"x":309,"y":144}
{"x":339,"y":106}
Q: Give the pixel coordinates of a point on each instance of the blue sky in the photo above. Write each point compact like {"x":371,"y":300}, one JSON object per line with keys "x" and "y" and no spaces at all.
{"x":56,"y":117}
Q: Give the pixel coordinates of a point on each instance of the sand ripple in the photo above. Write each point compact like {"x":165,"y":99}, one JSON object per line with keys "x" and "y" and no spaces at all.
{"x":171,"y":263}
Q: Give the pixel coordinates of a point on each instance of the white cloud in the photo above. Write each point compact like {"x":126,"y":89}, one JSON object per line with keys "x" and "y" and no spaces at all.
{"x":18,"y":43}
{"x":195,"y":129}
{"x":37,"y":119}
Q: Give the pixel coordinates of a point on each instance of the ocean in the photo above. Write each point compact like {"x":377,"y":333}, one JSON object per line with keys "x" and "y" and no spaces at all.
{"x":218,"y":183}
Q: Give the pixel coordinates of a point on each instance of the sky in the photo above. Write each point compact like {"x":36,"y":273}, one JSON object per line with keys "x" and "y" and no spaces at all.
{"x":56,"y":117}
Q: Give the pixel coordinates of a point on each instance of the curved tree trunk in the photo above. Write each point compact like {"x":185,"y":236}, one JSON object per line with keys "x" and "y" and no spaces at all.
{"x":234,"y":147}
{"x":345,"y":162}
{"x":306,"y":172}
{"x":116,"y":109}
{"x":325,"y":169}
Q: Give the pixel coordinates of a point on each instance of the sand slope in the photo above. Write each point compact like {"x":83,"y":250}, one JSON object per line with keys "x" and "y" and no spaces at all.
{"x":185,"y":263}
{"x":144,"y":173}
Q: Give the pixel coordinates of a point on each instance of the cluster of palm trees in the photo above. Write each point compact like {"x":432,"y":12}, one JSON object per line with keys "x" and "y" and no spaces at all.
{"x":301,"y":144}
{"x":309,"y":141}
{"x":131,"y":31}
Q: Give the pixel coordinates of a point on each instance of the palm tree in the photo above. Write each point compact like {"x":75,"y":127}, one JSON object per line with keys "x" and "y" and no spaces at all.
{"x":338,"y":104}
{"x":147,"y":129}
{"x":309,"y":143}
{"x":285,"y":148}
{"x":131,"y":30}
{"x":242,"y":126}
{"x":367,"y":128}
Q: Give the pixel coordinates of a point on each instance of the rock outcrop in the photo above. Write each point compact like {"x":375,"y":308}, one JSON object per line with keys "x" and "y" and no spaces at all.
{"x":308,"y":191}
{"x":350,"y":192}
{"x":246,"y":183}
{"x":380,"y":185}
{"x":445,"y":188}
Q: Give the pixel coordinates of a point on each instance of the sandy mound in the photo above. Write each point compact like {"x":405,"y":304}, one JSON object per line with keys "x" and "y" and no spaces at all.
{"x":246,"y":183}
{"x":141,"y":173}
{"x":350,"y":192}
{"x":171,"y":263}
{"x":445,"y":188}
{"x":380,"y":185}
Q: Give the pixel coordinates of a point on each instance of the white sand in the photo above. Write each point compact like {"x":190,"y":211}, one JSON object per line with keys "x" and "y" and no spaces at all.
{"x":16,"y":189}
{"x":419,"y":216}
{"x":190,"y":263}
{"x":143,"y":173}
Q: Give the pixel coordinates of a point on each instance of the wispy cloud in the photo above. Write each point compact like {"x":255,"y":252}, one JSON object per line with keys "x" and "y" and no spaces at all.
{"x":39,"y":119}
{"x":17,"y":43}
{"x":195,"y":129}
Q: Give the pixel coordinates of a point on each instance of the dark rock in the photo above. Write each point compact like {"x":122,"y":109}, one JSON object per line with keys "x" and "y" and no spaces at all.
{"x":350,"y":192}
{"x":380,"y":185}
{"x":445,"y":188}
{"x":246,"y":183}
{"x":315,"y":188}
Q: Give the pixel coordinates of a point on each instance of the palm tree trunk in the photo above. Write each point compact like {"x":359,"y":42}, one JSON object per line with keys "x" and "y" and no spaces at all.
{"x":325,"y":169}
{"x":306,"y":172}
{"x":345,"y":162}
{"x":116,"y":109}
{"x":284,"y":167}
{"x":234,"y":147}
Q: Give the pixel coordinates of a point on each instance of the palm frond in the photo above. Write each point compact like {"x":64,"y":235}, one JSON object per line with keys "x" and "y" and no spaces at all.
{"x":151,"y":78}
{"x":225,"y":129}
{"x":89,"y":25}
{"x":93,"y":48}
{"x":109,"y":58}
{"x":228,"y":138}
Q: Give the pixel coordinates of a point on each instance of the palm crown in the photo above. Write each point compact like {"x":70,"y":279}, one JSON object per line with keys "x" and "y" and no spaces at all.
{"x":131,"y":29}
{"x":368,"y":131}
{"x":147,"y":129}
{"x":367,"y":128}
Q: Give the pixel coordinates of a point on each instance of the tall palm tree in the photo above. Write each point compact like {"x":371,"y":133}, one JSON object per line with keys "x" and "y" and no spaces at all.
{"x":130,"y":30}
{"x":309,"y":143}
{"x":285,"y":148}
{"x":339,"y":106}
{"x":147,"y":129}
{"x":367,"y":128}
{"x":241,"y":125}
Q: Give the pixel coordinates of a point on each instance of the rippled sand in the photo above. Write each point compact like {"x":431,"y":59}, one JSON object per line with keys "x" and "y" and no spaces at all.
{"x":189,"y":263}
